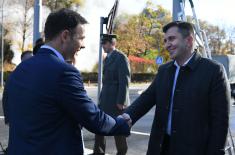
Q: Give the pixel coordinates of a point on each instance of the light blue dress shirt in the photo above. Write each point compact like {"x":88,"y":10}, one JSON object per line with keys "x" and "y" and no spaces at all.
{"x":172,"y":94}
{"x":58,"y":54}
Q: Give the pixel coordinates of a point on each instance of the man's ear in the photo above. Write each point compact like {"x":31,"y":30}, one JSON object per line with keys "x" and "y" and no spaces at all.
{"x":113,"y":43}
{"x":64,"y":35}
{"x":190,"y":40}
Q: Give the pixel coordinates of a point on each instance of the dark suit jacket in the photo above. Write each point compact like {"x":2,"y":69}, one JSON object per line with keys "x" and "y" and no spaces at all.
{"x":116,"y":79}
{"x":200,"y":112}
{"x":45,"y":103}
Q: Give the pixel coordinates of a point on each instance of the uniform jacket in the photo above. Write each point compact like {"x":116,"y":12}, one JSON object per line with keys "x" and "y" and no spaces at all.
{"x":116,"y":79}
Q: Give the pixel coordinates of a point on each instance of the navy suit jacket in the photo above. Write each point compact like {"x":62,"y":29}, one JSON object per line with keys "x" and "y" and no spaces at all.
{"x":45,"y":104}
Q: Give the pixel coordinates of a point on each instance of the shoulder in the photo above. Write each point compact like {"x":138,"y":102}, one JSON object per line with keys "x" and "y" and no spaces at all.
{"x":70,"y":69}
{"x":70,"y":77}
{"x":45,"y":59}
{"x":50,"y":59}
{"x":121,"y":56}
{"x":210,"y":64}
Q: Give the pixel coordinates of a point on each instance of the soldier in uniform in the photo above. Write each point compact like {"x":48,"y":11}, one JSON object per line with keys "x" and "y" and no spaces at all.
{"x":114,"y":97}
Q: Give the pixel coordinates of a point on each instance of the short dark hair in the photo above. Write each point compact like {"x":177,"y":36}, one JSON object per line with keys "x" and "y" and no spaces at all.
{"x":104,"y":41}
{"x":63,"y":19}
{"x":185,"y":28}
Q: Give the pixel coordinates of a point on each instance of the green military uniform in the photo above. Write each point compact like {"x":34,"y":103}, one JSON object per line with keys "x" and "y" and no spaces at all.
{"x":116,"y":79}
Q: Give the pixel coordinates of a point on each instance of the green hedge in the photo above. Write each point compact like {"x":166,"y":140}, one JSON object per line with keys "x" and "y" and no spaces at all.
{"x":142,"y":77}
{"x":135,"y":77}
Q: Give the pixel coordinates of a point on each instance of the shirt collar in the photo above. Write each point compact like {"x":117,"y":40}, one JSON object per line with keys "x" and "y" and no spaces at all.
{"x":110,"y":53}
{"x":186,"y":62}
{"x":58,"y":54}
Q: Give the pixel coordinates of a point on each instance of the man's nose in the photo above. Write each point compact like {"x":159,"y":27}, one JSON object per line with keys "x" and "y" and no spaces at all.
{"x":167,"y":44}
{"x":82,"y":44}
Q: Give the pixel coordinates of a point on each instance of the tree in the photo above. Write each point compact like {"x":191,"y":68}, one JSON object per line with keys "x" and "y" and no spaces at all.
{"x":58,"y":4}
{"x":26,"y":22}
{"x":129,"y":39}
{"x":8,"y":53}
{"x":230,"y":43}
{"x":141,"y":34}
{"x":23,"y":26}
{"x":220,"y":40}
{"x":21,"y":23}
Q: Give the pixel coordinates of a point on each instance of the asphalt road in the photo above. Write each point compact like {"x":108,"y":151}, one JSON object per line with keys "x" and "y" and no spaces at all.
{"x":138,"y":140}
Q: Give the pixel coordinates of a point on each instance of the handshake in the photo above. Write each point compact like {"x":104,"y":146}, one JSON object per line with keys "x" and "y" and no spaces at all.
{"x":127,"y":118}
{"x":122,"y":127}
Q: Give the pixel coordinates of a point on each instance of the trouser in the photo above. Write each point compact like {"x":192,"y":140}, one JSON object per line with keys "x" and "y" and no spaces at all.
{"x":166,"y":145}
{"x":100,"y":144}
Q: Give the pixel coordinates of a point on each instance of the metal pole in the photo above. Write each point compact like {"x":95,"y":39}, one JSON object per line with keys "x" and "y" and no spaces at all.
{"x":177,"y":10}
{"x":206,"y":45}
{"x":100,"y":69}
{"x":37,"y":20}
{"x":202,"y":37}
{"x":2,"y":30}
{"x":182,"y":13}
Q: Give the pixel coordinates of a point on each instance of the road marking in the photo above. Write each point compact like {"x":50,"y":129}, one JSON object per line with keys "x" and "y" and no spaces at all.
{"x":89,"y":151}
{"x":140,"y":133}
{"x":1,"y":117}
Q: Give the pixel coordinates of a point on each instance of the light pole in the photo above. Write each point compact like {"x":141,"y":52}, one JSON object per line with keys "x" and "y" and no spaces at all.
{"x":100,"y":66}
{"x":37,"y":20}
{"x":2,"y":33}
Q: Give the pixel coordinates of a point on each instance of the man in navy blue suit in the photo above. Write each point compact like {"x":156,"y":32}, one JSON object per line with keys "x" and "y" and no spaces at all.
{"x":44,"y":99}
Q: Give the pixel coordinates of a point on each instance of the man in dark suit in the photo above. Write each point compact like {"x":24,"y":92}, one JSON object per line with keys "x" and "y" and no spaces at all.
{"x":192,"y":98}
{"x":45,"y":101}
{"x":115,"y":91}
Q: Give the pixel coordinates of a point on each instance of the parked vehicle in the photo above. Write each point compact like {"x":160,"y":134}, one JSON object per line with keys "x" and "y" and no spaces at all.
{"x":228,"y":62}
